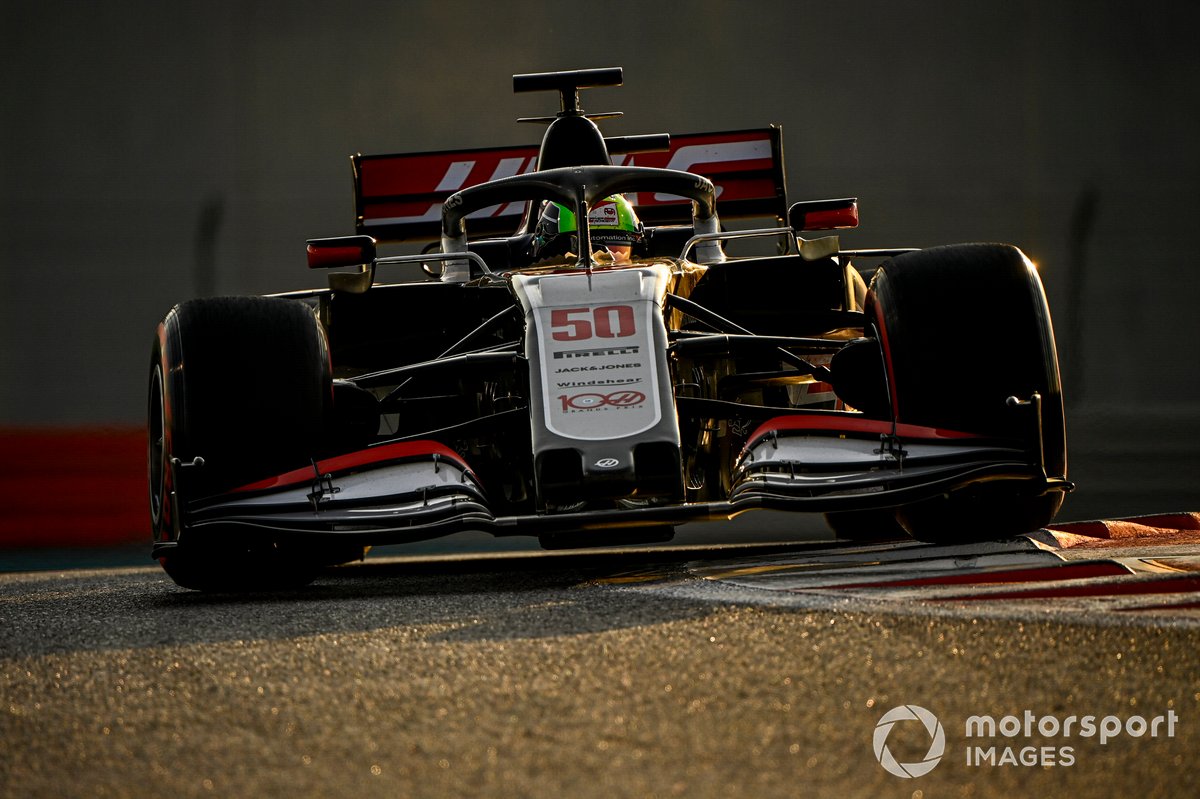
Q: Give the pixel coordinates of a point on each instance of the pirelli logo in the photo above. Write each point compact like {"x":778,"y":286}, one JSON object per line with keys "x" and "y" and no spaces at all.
{"x":632,"y":350}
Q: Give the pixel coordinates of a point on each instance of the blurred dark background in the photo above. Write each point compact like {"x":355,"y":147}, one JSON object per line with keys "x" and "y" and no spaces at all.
{"x":152,"y":152}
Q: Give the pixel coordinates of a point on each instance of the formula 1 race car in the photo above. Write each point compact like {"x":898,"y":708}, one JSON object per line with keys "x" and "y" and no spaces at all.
{"x":592,"y":395}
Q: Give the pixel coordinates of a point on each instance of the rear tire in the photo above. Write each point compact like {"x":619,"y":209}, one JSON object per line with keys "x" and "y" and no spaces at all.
{"x":964,"y":328}
{"x":240,"y":389}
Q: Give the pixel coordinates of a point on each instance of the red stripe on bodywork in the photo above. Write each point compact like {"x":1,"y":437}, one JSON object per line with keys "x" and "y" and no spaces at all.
{"x":322,"y":257}
{"x":356,"y":460}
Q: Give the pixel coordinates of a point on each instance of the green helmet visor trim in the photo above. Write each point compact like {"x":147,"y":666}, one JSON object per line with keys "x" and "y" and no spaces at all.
{"x":612,"y":221}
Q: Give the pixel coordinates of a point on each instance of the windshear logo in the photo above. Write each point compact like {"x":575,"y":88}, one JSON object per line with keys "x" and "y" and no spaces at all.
{"x":936,"y":748}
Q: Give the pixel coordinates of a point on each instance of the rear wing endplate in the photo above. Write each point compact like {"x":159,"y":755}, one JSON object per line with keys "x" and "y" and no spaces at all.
{"x":399,"y":197}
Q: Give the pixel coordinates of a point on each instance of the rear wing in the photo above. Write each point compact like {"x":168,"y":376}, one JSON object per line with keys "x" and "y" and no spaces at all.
{"x":399,"y":197}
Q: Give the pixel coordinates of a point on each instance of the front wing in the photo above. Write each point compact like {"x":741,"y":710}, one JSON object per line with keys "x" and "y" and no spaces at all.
{"x":414,"y":490}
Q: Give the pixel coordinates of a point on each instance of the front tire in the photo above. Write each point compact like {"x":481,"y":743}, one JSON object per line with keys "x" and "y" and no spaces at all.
{"x":240,"y":389}
{"x":963,"y":329}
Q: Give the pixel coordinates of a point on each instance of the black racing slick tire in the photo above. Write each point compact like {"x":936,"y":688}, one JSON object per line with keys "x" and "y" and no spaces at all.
{"x":240,"y":390}
{"x":964,"y":328}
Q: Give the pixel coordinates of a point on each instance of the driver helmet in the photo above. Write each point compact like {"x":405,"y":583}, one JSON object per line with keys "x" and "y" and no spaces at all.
{"x":613,"y":225}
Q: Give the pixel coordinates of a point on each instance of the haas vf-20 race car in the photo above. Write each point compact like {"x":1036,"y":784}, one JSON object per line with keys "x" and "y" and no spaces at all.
{"x":589,"y":394}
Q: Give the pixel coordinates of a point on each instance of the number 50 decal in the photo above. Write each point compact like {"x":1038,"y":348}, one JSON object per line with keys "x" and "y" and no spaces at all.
{"x":605,"y":321}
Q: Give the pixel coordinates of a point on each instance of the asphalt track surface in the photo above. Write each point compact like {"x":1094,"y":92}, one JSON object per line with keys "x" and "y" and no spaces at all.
{"x":740,"y":670}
